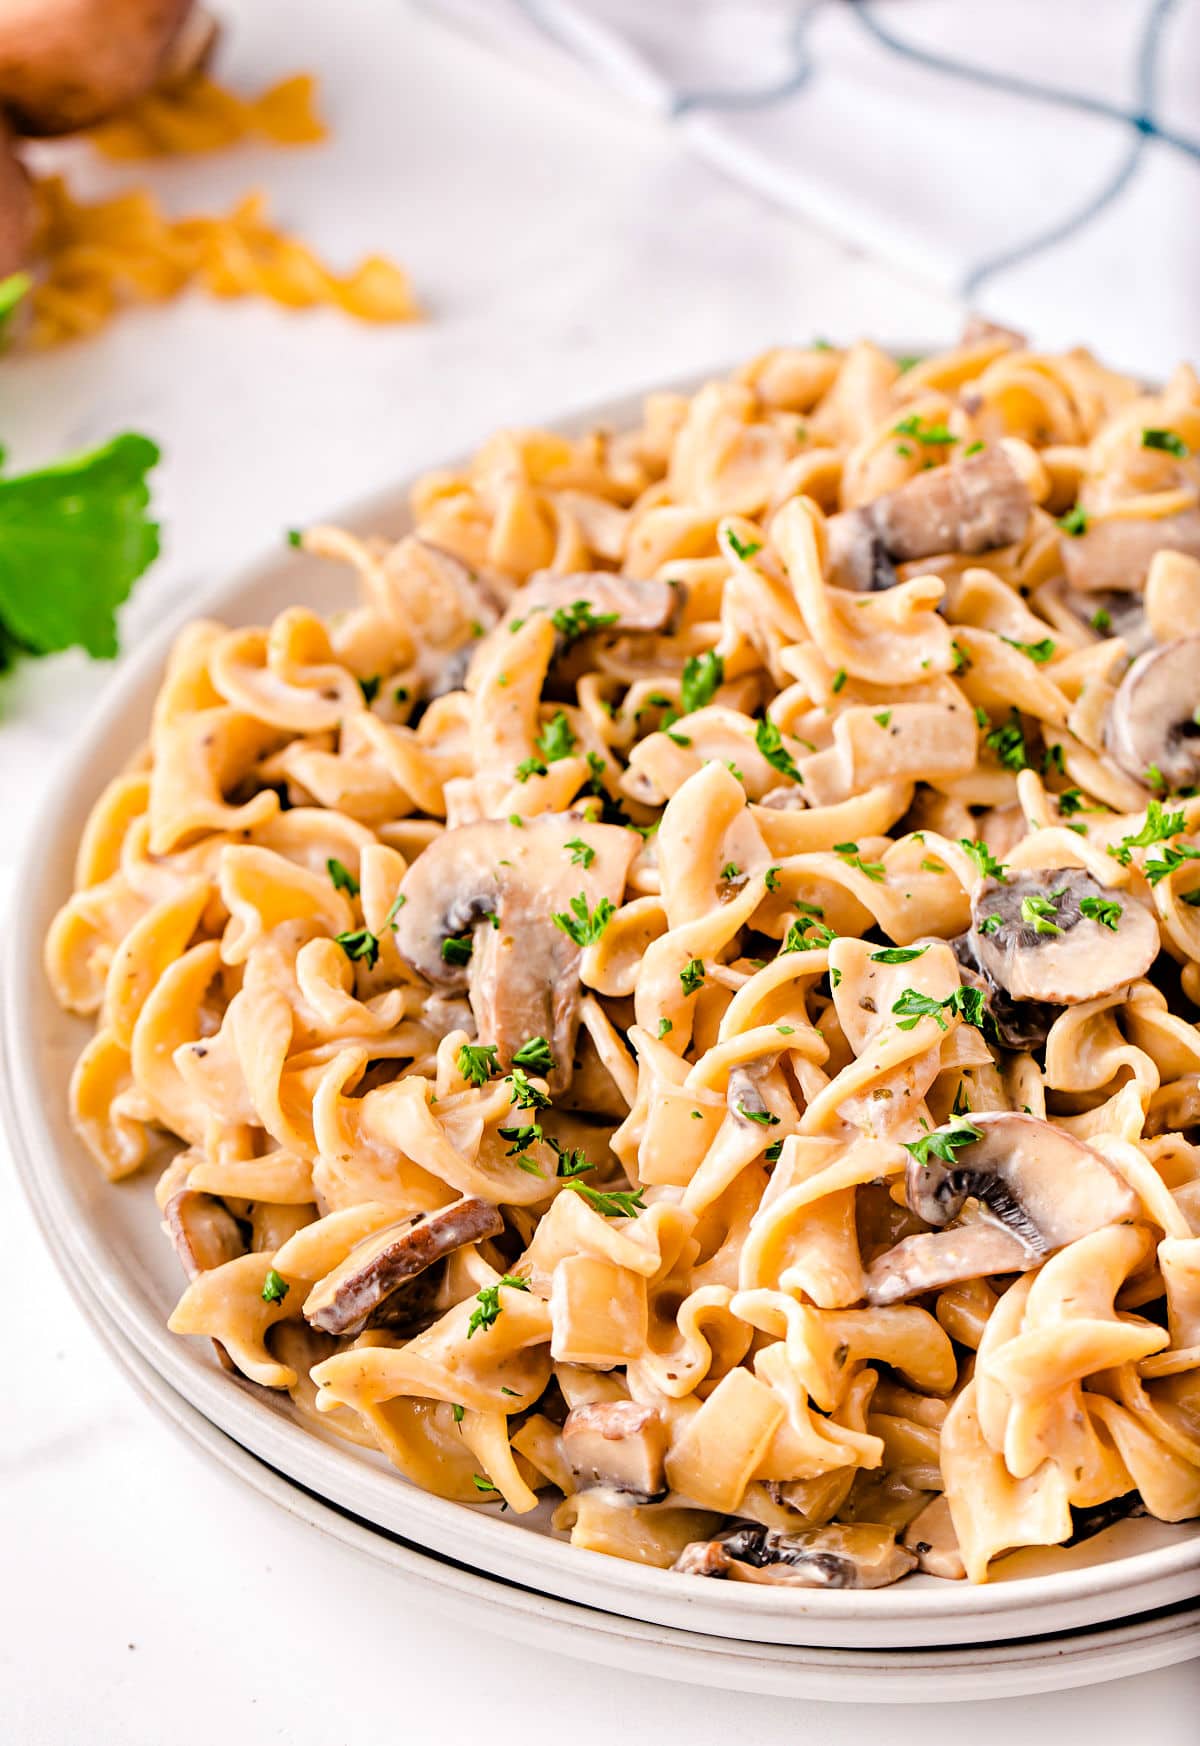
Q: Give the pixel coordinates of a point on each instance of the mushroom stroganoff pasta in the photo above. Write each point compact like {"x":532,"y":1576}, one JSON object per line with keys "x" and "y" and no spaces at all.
{"x":683,"y":999}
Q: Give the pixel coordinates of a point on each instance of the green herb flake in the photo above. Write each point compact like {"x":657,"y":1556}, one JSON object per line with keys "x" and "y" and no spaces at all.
{"x":556,"y":739}
{"x":691,"y":977}
{"x":585,"y":926}
{"x":839,"y":679}
{"x":525,"y":1094}
{"x":1103,"y":910}
{"x":884,"y":718}
{"x":489,"y":1308}
{"x":477,"y":1062}
{"x":1101,"y":620}
{"x":1039,"y":914}
{"x":1039,"y":653}
{"x":1168,"y":441}
{"x":702,"y":677}
{"x":898,"y":954}
{"x":274,"y":1287}
{"x":1158,"y":826}
{"x":535,"y":1054}
{"x":983,"y":858}
{"x":612,"y":1203}
{"x":849,"y":852}
{"x":578,"y":620}
{"x":1008,"y":743}
{"x":362,"y":944}
{"x":340,"y":874}
{"x":582,"y":854}
{"x":769,"y":741}
{"x":936,"y":434}
{"x":991,"y":924}
{"x":1075,"y":521}
{"x":665,"y":1027}
{"x":945,"y":1142}
{"x":743,"y":550}
{"x":529,"y":767}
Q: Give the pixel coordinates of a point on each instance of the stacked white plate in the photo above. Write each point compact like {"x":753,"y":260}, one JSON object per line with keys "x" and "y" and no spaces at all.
{"x":1125,"y":1601}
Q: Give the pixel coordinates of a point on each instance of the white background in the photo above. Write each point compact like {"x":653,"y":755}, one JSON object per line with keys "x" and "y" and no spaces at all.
{"x":565,"y":252}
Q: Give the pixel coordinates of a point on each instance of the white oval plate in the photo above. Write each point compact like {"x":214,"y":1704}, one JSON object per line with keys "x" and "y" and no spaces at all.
{"x":107,"y":1239}
{"x":948,"y":1675}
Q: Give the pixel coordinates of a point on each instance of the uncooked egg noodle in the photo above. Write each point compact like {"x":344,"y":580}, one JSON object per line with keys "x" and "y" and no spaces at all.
{"x":683,"y":998}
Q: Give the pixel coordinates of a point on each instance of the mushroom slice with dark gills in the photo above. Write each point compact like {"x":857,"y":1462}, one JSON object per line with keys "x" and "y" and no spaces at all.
{"x":1045,"y":1187}
{"x":345,"y":1299}
{"x":479,"y":914}
{"x":972,"y":505}
{"x":1152,"y":719}
{"x":597,"y":600}
{"x":203,"y":1232}
{"x":931,"y":1260}
{"x":1057,"y":935}
{"x":858,"y":1556}
{"x":620,"y":1444}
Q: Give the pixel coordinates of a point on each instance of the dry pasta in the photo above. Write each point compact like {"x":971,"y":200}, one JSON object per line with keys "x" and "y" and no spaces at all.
{"x":682,"y":998}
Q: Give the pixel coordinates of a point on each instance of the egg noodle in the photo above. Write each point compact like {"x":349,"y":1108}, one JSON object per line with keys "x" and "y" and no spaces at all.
{"x":682,"y":998}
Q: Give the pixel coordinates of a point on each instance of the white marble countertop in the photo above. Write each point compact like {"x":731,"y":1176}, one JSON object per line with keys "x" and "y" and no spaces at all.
{"x":566,"y":251}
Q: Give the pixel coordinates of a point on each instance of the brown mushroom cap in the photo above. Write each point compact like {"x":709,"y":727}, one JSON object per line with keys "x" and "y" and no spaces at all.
{"x":523,"y":973}
{"x":971,"y":505}
{"x":617,"y":1443}
{"x":203,"y":1232}
{"x":342,"y":1302}
{"x":1071,"y":956}
{"x":1152,"y":719}
{"x":1043,"y":1185}
{"x":65,"y":64}
{"x":858,"y":1556}
{"x":933,"y":1259}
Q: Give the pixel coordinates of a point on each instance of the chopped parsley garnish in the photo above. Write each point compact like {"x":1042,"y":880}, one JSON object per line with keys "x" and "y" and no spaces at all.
{"x":480,"y":1481}
{"x":457,"y":949}
{"x":1155,"y":777}
{"x":1169,"y":441}
{"x":1039,"y":652}
{"x":1039,"y":914}
{"x":771,"y":878}
{"x":677,"y":739}
{"x":1159,"y":825}
{"x":570,"y":1163}
{"x":774,"y":1152}
{"x":459,"y":1412}
{"x":477,"y":1062}
{"x":1167,"y":860}
{"x":370,"y":688}
{"x":397,"y":904}
{"x":1052,"y":760}
{"x":535,"y":1054}
{"x":613,"y":1203}
{"x":343,"y":879}
{"x":274,"y":1287}
{"x":730,"y":871}
{"x":525,"y":1094}
{"x":945,"y":1142}
{"x":1102,"y":910}
{"x":763,"y":1117}
{"x":962,"y":660}
{"x":991,"y":924}
{"x":1075,"y":521}
{"x":691,"y":977}
{"x":585,"y":926}
{"x":578,"y":620}
{"x":983,"y":858}
{"x":913,"y":1006}
{"x":362,"y":943}
{"x":529,"y":767}
{"x":1008,"y":743}
{"x":973,"y":448}
{"x":884,"y":718}
{"x":556,"y":739}
{"x":849,"y":852}
{"x":797,"y":938}
{"x":522,"y":1138}
{"x":839,"y":679}
{"x":769,"y":741}
{"x":665,"y":1027}
{"x":1101,"y":620}
{"x":933,"y":435}
{"x":743,"y":550}
{"x":898,"y":954}
{"x":489,"y":1308}
{"x":702,"y":676}
{"x":582,"y":854}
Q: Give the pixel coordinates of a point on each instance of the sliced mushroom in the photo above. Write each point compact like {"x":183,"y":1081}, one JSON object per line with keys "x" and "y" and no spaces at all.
{"x":342,"y":1302}
{"x":972,"y":505}
{"x":65,"y":64}
{"x":931,"y":1538}
{"x":1116,"y":554}
{"x":1087,"y":1523}
{"x":743,"y":1095}
{"x":933,"y":1259}
{"x":1152,"y":719}
{"x":502,"y":884}
{"x":1018,"y":1024}
{"x":832,"y":1557}
{"x":203,"y":1232}
{"x":628,"y":603}
{"x":1043,"y":1185}
{"x":1032,"y":939}
{"x":1119,"y":615}
{"x":617,"y":1443}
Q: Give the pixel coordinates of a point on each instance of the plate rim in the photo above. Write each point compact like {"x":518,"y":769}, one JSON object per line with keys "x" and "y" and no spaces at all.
{"x":1165,"y":1572}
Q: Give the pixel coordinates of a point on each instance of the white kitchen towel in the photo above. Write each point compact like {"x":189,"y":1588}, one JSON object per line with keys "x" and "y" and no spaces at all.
{"x":1039,"y":157}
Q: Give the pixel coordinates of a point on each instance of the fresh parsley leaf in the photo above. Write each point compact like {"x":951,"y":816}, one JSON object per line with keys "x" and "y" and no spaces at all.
{"x":1038,"y":913}
{"x":944,"y":1142}
{"x":730,"y":871}
{"x":477,"y":1062}
{"x":991,"y":924}
{"x":489,"y":1308}
{"x":1158,"y":826}
{"x":1155,"y":777}
{"x":583,"y":926}
{"x":898,"y":954}
{"x":370,"y":688}
{"x":983,"y":858}
{"x":613,"y":1203}
{"x":459,"y":1412}
{"x":457,"y":949}
{"x":973,"y":448}
{"x":743,"y":550}
{"x":525,"y":1094}
{"x":1169,"y":441}
{"x":1052,"y":760}
{"x":702,"y":677}
{"x":933,"y":435}
{"x":570,"y":1163}
{"x":343,"y":879}
{"x":556,"y":739}
{"x":1102,"y":910}
{"x":274,"y":1287}
{"x":582,"y":854}
{"x":962,"y":661}
{"x":1008,"y":743}
{"x":1167,"y":860}
{"x":912,"y":1006}
{"x":665,"y":1027}
{"x":522,"y":1137}
{"x":839,"y":679}
{"x":529,"y":767}
{"x":769,"y":741}
{"x":884,"y":717}
{"x":849,"y":853}
{"x":1039,"y":653}
{"x":74,"y":538}
{"x":535,"y":1054}
{"x":578,"y":620}
{"x":1101,"y":620}
{"x":691,"y":977}
{"x":797,"y":938}
{"x":677,"y":739}
{"x":362,"y":943}
{"x":763,"y":1117}
{"x":1075,"y":521}
{"x":397,"y":904}
{"x":771,"y":878}
{"x":480,"y":1481}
